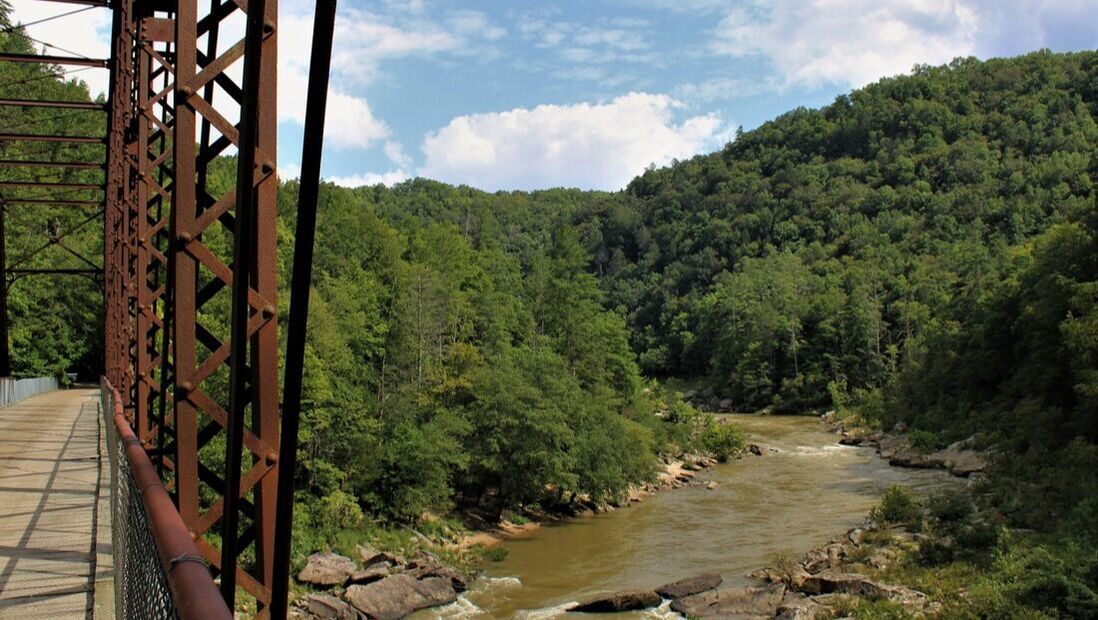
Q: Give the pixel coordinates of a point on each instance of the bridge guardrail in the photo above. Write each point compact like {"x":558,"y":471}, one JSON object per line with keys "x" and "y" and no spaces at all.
{"x":15,"y":390}
{"x":159,"y":573}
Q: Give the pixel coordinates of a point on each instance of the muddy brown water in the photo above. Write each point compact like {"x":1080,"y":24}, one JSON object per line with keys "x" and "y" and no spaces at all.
{"x":805,"y":490}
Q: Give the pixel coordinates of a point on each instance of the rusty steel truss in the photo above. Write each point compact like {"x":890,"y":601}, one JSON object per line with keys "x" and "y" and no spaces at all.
{"x":191,"y":267}
{"x":190,"y":272}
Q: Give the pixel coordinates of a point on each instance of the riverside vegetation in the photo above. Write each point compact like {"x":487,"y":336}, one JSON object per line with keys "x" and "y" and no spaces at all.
{"x":923,"y":250}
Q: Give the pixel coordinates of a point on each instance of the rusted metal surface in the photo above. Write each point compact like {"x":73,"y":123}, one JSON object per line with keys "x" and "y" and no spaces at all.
{"x":42,"y":163}
{"x":193,"y":591}
{"x":185,"y":252}
{"x":53,"y":60}
{"x":31,"y":137}
{"x":69,"y":105}
{"x":183,"y":231}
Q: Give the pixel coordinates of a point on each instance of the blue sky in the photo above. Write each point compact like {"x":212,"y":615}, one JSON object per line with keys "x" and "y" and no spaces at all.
{"x":527,"y":95}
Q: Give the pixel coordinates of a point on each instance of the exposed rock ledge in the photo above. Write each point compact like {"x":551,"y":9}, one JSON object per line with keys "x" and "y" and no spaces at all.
{"x":388,"y":587}
{"x":959,"y":458}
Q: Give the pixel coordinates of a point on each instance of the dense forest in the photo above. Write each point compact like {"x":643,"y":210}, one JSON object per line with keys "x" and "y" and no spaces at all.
{"x":922,"y":251}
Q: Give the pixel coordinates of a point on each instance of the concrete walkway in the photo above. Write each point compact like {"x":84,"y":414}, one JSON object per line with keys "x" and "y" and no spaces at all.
{"x":49,"y":491}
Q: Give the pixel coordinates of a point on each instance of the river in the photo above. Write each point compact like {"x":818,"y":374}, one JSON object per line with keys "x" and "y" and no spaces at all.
{"x":806,"y":491}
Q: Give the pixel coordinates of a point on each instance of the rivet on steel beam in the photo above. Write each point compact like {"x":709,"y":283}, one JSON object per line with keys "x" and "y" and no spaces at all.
{"x":185,"y":387}
{"x":267,"y":167}
{"x":183,"y":91}
{"x":184,"y":237}
{"x":194,"y":536}
{"x":272,"y":458}
{"x":268,"y":311}
{"x":268,"y":26}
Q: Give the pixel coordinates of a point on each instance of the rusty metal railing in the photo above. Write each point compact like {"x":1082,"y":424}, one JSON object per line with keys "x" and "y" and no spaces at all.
{"x":159,"y":572}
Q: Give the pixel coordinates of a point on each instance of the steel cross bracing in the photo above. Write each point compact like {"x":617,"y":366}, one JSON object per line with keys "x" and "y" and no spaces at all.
{"x":189,"y":272}
{"x":178,"y":104}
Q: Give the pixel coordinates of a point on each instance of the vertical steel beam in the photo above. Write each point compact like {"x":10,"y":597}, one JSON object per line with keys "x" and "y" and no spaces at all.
{"x":144,"y":315}
{"x":264,"y":279}
{"x":116,"y":196}
{"x":308,"y":195}
{"x":184,"y":274}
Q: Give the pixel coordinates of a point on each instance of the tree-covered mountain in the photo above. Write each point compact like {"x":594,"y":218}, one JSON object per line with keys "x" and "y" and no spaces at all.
{"x":922,"y":250}
{"x":816,"y":249}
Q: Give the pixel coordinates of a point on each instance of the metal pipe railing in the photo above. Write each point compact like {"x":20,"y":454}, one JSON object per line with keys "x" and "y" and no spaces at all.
{"x":193,"y":592}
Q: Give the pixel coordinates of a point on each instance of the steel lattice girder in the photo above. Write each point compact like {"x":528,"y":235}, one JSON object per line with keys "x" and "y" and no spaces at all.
{"x":176,"y":271}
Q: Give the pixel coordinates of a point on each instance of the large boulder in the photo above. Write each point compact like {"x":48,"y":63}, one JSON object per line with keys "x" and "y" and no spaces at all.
{"x":371,"y":573}
{"x":457,"y":580}
{"x":397,"y":596}
{"x":911,"y":457}
{"x":961,"y":460}
{"x":823,"y":558}
{"x":750,"y":602}
{"x":888,"y":445}
{"x":627,"y":600}
{"x":860,"y":585}
{"x":324,"y":607}
{"x":369,"y":556}
{"x":793,"y":577}
{"x":326,"y":570}
{"x":796,"y":606}
{"x":689,"y":586}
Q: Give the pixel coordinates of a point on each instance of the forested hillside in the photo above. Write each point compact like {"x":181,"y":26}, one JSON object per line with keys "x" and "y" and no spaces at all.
{"x":820,"y":248}
{"x":443,"y":368}
{"x":922,"y":250}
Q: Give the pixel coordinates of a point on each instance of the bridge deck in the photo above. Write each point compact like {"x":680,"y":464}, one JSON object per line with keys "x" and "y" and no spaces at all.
{"x":49,"y":490}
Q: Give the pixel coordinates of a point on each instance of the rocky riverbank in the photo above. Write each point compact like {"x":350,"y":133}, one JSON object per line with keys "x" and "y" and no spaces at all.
{"x":829,"y":581}
{"x":676,"y":472}
{"x":900,"y":448}
{"x":382,"y":586}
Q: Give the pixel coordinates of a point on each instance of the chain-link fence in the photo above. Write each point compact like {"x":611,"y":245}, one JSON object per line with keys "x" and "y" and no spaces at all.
{"x":141,"y":588}
{"x":15,"y":390}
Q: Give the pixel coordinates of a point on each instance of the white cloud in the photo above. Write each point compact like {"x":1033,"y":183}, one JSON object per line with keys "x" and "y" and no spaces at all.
{"x":719,"y":89}
{"x":611,"y":40}
{"x":596,"y":146}
{"x":289,"y":171}
{"x":395,"y":152}
{"x":406,"y":6}
{"x":349,"y":122}
{"x":370,"y":178}
{"x":476,"y":23}
{"x":850,"y":42}
{"x":86,"y":33}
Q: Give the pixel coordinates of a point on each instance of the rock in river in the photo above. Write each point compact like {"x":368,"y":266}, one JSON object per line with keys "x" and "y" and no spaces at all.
{"x":751,"y":602}
{"x":327,"y":569}
{"x":397,"y":596}
{"x":690,"y":585}
{"x":627,"y":600}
